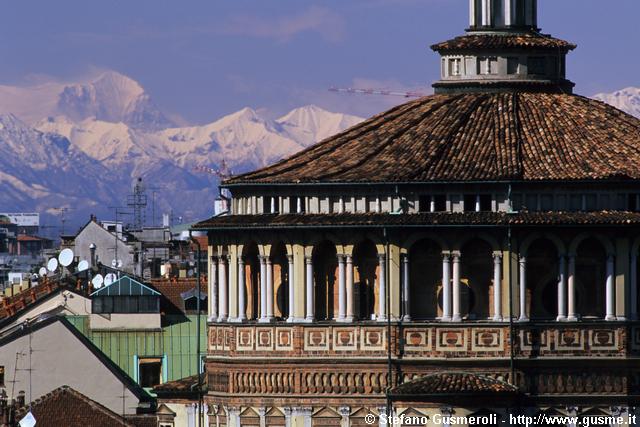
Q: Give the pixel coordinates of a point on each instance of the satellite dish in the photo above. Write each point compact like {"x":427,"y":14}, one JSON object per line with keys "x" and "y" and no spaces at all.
{"x":52,"y":265}
{"x":190,"y":273}
{"x":83,"y":265}
{"x":97,"y":281}
{"x":114,"y":263}
{"x":66,"y":257}
{"x":35,"y":277}
{"x":109,"y":279}
{"x":42,"y":271}
{"x":119,"y":263}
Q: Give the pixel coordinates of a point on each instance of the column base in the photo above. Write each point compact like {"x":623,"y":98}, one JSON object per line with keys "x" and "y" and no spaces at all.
{"x":406,"y":318}
{"x":622,"y":318}
{"x":267,"y":320}
{"x":222,"y":319}
{"x":456,"y":318}
{"x":573,"y":318}
{"x":212,"y":319}
{"x":238,"y":320}
{"x":381,"y":319}
{"x":308,"y":320}
{"x":497,"y":318}
{"x":610,"y":318}
{"x":445,"y":319}
{"x":561,"y":319}
{"x":523,"y":319}
{"x":349,"y":319}
{"x":341,"y":320}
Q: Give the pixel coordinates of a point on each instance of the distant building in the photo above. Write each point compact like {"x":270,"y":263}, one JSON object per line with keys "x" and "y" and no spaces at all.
{"x":26,"y":223}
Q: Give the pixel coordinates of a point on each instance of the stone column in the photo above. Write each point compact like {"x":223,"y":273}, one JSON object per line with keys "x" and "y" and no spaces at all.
{"x":223,"y":304}
{"x":344,"y":412}
{"x":213,"y":301}
{"x":523,"y":290}
{"x":497,"y":287}
{"x":342,"y":290}
{"x":242,"y":306}
{"x":446,"y":288}
{"x":610,"y":291}
{"x":350,"y":299}
{"x":270,"y":316}
{"x":406,"y":289}
{"x":633,"y":288}
{"x":292,"y":287}
{"x":262,"y":412}
{"x":572,"y":316}
{"x":310,"y":315}
{"x":457,"y":316}
{"x":263,"y":289}
{"x":382,"y":289}
{"x":562,"y":289}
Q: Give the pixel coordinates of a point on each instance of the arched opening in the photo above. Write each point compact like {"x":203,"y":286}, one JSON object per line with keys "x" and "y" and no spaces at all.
{"x":252,"y":280}
{"x":476,"y":278}
{"x":591,"y":259}
{"x":425,"y":279}
{"x":365,"y":262}
{"x":325,"y":270}
{"x":280,"y":265}
{"x":542,"y":280}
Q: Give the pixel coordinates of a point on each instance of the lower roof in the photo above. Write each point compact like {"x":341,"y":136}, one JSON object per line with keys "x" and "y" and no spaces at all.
{"x":269,"y":221}
{"x":454,"y":384}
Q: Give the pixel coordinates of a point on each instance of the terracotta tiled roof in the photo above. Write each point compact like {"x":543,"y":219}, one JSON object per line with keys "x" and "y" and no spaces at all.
{"x":454,"y":383}
{"x":602,"y":218}
{"x":172,"y":290}
{"x":28,"y":238}
{"x":182,"y":386}
{"x":67,"y":407}
{"x":12,"y":305}
{"x":473,"y":137}
{"x":502,"y":41}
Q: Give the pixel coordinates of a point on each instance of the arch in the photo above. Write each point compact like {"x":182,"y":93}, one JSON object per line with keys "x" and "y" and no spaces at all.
{"x":487,"y":238}
{"x":280,"y":265}
{"x":542,"y":278}
{"x":425,"y":281}
{"x":604,"y":241}
{"x":591,"y":259}
{"x":561,"y":248}
{"x":365,"y":264}
{"x":476,"y":278}
{"x":417,"y":237}
{"x":325,"y":271}
{"x":316,"y":240}
{"x":251,"y":255}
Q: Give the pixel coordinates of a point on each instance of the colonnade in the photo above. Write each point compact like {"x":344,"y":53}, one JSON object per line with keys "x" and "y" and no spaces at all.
{"x":302,"y":289}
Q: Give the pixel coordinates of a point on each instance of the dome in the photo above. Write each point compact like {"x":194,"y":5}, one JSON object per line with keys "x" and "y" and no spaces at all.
{"x":519,"y":136}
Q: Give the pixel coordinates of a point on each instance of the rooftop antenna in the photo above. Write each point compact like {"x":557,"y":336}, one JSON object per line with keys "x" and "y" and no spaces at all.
{"x":138,"y":202}
{"x":382,"y":92}
{"x":63,"y":219}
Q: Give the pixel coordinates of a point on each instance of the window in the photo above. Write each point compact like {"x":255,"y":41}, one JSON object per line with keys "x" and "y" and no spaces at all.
{"x":487,"y":65}
{"x":455,"y":67}
{"x":485,"y":203}
{"x":633,"y":204}
{"x":469,"y":202}
{"x":546,"y":202}
{"x":440,"y":202}
{"x":513,"y":65}
{"x":591,"y":202}
{"x":125,"y":304}
{"x":191,"y":304}
{"x":531,"y":202}
{"x":575,"y":202}
{"x":537,"y":66}
{"x":296,"y":204}
{"x":149,"y":372}
{"x":270,"y":205}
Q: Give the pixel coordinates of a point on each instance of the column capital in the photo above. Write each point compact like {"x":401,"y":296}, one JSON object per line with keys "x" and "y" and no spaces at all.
{"x":308,"y":259}
{"x":382,"y":257}
{"x":341,"y":257}
{"x":349,"y":259}
{"x":290,"y":259}
{"x":497,"y":256}
{"x":241,"y":259}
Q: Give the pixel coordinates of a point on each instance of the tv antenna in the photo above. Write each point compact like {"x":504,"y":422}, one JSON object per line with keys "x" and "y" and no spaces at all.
{"x":138,"y":202}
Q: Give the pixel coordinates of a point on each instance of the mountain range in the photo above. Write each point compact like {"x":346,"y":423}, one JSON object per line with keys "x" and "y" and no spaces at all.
{"x":81,"y":146}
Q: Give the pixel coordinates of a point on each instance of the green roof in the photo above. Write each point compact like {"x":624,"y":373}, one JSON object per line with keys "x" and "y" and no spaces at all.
{"x":126,"y":286}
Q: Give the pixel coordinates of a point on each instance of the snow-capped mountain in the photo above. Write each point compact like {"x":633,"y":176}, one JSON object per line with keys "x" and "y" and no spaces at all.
{"x":110,"y":97}
{"x":85,"y":144}
{"x":627,"y":100}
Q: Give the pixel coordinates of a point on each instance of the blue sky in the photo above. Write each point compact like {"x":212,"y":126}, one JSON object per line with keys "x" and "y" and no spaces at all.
{"x":202,"y":59}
